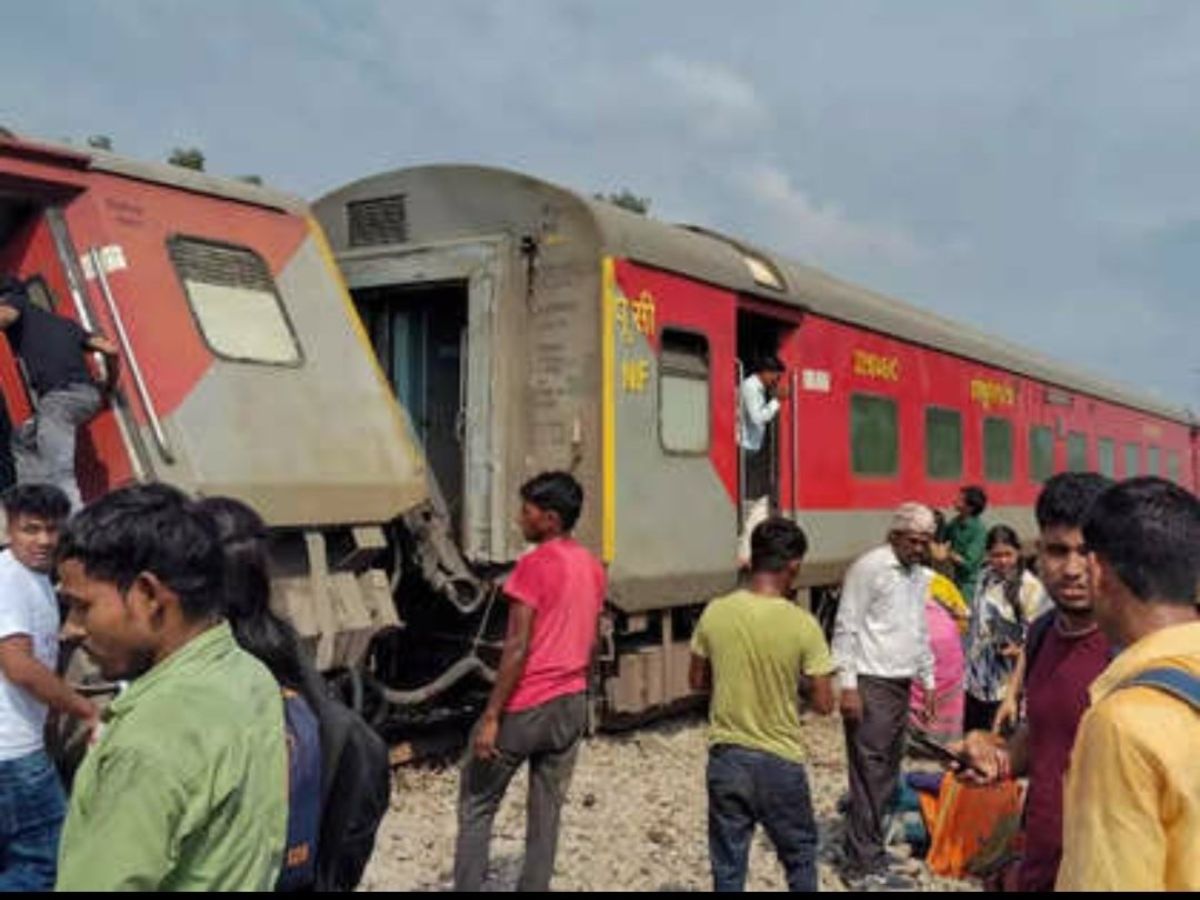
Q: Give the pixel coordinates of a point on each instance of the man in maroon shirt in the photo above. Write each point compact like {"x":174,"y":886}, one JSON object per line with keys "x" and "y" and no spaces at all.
{"x":1064,"y":654}
{"x":537,"y":710}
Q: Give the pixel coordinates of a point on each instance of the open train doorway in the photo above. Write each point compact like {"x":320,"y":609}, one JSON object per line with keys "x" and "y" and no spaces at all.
{"x":763,"y":470}
{"x":419,"y":332}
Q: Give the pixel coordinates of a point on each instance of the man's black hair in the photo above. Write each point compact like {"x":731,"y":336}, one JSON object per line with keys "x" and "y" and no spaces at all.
{"x":1066,"y":498}
{"x":557,"y":492}
{"x":45,"y":501}
{"x":775,"y":543}
{"x":151,"y":528}
{"x":975,"y":498}
{"x":1148,"y":530}
{"x":769,"y":363}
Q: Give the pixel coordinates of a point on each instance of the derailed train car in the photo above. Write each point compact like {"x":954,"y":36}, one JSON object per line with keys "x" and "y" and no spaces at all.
{"x":525,"y":327}
{"x":245,"y":371}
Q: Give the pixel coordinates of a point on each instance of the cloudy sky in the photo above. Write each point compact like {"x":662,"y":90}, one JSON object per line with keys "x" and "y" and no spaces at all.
{"x":1025,"y":166}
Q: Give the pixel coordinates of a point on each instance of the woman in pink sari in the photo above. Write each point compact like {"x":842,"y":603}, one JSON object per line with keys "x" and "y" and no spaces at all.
{"x":945,"y":634}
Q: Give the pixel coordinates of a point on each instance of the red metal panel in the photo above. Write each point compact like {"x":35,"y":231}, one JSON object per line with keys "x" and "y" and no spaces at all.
{"x":692,"y":305}
{"x":140,"y":217}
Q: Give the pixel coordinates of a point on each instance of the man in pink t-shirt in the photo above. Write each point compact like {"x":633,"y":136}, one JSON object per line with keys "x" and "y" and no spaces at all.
{"x":538,"y":706}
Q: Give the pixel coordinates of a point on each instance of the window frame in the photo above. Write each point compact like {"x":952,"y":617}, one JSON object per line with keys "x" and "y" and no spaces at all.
{"x":39,"y":286}
{"x":1153,"y":460}
{"x":1035,"y":430}
{"x":1012,"y":468}
{"x":1173,"y":471}
{"x":957,"y":413}
{"x":895,"y":405}
{"x":1074,"y":437}
{"x":663,"y":370}
{"x":281,"y":307}
{"x":1137,"y":450}
{"x":1101,"y":443}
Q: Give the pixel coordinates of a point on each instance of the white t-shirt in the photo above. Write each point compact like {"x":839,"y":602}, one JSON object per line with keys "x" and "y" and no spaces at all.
{"x":27,"y":606}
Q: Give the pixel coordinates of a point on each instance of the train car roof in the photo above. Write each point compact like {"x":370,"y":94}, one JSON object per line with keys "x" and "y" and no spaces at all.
{"x":727,"y":262}
{"x":90,"y":158}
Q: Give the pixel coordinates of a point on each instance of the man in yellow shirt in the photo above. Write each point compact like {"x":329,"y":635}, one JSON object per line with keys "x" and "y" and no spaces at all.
{"x":754,"y":648}
{"x":1132,"y":815}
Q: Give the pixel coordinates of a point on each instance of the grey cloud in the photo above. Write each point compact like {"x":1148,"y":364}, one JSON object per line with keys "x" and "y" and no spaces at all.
{"x":1022,"y":166}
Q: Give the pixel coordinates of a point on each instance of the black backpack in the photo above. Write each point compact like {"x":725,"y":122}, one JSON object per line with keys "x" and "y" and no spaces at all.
{"x":356,"y":788}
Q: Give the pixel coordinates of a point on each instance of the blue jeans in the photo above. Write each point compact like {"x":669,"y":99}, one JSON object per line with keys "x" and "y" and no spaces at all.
{"x":32,"y":809}
{"x":747,"y":787}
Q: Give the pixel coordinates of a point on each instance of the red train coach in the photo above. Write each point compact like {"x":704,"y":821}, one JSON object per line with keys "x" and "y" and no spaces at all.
{"x":527,"y":327}
{"x":244,"y":369}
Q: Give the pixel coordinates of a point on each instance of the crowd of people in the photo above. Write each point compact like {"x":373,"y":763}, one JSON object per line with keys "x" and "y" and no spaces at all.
{"x":223,"y":763}
{"x":1083,"y":678}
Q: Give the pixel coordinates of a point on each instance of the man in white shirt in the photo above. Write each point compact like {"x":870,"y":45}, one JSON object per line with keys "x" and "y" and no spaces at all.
{"x":32,"y":806}
{"x":880,"y":643}
{"x":759,"y":395}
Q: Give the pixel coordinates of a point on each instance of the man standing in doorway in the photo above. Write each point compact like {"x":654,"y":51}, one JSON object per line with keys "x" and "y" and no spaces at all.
{"x":880,"y":643}
{"x":52,"y":348}
{"x":1132,"y":812}
{"x":759,"y":394}
{"x":537,"y":710}
{"x":1064,"y":653}
{"x":755,"y":649}
{"x":32,"y":805}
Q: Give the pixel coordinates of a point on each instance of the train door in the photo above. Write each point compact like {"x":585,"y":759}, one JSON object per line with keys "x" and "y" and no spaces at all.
{"x":767,"y":473}
{"x":430,"y":316}
{"x":419,"y":333}
{"x":36,"y":247}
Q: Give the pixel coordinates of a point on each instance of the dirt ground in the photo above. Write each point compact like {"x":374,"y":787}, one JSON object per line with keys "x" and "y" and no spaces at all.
{"x":634,"y":819}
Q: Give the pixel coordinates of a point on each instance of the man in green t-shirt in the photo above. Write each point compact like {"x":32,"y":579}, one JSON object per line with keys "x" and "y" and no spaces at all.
{"x":186,"y":787}
{"x":757,"y":650}
{"x":967,"y":538}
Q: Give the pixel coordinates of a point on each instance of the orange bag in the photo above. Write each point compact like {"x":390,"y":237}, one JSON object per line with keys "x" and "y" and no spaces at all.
{"x":972,"y":830}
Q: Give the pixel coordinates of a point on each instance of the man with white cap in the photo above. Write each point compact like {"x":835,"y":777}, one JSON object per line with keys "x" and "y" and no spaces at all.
{"x":880,"y":643}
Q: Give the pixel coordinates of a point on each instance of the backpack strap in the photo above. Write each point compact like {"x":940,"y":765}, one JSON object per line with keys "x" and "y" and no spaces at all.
{"x":302,"y":735}
{"x":1180,"y":684}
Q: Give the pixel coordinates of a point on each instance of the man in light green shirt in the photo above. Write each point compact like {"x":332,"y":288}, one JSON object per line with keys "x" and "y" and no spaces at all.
{"x":186,"y":786}
{"x":755,"y":649}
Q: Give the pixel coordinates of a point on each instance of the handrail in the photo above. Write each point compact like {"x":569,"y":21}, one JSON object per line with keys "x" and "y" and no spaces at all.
{"x":160,"y":436}
{"x":68,"y":257}
{"x":795,"y":415}
{"x":737,"y":443}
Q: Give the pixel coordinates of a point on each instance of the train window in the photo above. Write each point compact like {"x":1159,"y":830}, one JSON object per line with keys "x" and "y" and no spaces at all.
{"x":1132,"y":452}
{"x":943,"y":443}
{"x":1106,"y":450}
{"x":997,"y":449}
{"x":234,"y":301}
{"x":1173,"y":465}
{"x":683,"y":394}
{"x":40,"y":294}
{"x":1077,"y":452}
{"x":1041,"y":453}
{"x":1152,"y":461}
{"x":874,"y":435}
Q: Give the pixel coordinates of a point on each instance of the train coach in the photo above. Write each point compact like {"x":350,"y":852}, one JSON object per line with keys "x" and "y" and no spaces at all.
{"x":526,"y":327}
{"x":244,"y":368}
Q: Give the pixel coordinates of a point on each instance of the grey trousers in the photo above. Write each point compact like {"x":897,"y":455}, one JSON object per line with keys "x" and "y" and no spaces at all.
{"x":44,"y":446}
{"x":874,"y":748}
{"x":548,"y":736}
